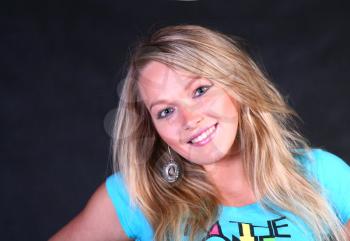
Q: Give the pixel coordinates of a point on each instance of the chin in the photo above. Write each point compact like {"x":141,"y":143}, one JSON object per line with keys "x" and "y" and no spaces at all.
{"x":209,"y":158}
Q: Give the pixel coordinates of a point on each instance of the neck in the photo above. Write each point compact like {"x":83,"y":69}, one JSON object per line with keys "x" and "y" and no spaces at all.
{"x":230,"y":180}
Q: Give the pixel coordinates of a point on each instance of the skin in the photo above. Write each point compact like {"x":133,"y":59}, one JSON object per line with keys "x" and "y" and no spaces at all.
{"x":194,"y":108}
{"x":189,"y":105}
{"x":98,"y":221}
{"x":181,"y":105}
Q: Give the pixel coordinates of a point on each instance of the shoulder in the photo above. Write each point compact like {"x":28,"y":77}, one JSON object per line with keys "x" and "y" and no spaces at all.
{"x":101,"y":210}
{"x":333,"y":176}
{"x":116,"y":189}
{"x":130,"y":216}
{"x":323,"y":164}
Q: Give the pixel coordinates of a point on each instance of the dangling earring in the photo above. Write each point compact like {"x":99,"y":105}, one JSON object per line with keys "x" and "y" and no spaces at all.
{"x":171,"y":170}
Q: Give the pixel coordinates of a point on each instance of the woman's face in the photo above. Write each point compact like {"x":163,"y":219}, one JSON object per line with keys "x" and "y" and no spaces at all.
{"x":193,"y":116}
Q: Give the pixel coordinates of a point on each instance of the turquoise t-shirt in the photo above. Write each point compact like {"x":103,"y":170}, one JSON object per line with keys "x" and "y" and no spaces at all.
{"x":250,"y":222}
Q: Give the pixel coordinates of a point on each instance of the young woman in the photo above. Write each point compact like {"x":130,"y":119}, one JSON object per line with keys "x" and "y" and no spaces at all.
{"x":205,"y":149}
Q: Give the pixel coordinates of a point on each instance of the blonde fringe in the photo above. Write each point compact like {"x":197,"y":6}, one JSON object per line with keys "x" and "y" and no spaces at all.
{"x":268,"y":141}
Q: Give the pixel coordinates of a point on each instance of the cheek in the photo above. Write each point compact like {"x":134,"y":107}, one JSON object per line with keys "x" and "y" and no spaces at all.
{"x":170,"y":134}
{"x":168,"y":131}
{"x":223,"y":108}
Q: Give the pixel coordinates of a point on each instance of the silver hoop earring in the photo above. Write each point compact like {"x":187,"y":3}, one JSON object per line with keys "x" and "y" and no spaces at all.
{"x":171,"y":170}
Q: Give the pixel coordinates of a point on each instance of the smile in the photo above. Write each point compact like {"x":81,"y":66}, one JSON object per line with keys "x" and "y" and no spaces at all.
{"x":204,"y":137}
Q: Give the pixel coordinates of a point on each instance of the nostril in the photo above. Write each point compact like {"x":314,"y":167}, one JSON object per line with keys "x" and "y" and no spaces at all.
{"x":191,"y":124}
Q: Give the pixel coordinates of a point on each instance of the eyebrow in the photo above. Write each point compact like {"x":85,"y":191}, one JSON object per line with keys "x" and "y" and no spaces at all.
{"x":161,"y":101}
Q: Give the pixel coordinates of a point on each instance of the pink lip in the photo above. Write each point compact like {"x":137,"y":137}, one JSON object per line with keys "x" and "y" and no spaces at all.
{"x":205,"y":141}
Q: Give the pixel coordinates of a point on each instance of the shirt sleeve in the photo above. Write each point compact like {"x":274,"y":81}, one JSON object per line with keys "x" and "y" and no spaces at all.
{"x":131,"y":218}
{"x":333,"y":174}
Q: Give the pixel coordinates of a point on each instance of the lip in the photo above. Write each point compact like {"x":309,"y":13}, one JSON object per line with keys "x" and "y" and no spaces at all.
{"x":200,"y":132}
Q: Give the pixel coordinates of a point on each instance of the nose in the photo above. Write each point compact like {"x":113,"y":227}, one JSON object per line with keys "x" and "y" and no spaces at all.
{"x":191,"y":118}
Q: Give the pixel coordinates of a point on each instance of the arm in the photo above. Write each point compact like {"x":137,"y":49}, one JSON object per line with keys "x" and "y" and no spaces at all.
{"x":347,"y":229}
{"x":97,"y":222}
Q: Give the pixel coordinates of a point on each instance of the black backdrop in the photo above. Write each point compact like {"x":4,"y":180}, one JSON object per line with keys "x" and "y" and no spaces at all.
{"x":60,"y":66}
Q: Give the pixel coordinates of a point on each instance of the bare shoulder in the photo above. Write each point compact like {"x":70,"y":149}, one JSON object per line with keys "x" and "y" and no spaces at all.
{"x":98,"y":221}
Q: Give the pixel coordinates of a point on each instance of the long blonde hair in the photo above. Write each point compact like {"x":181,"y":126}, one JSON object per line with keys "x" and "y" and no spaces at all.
{"x":267,"y":138}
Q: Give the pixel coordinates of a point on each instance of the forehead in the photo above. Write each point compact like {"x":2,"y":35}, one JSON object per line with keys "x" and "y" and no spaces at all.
{"x":156,"y":73}
{"x":158,"y":79}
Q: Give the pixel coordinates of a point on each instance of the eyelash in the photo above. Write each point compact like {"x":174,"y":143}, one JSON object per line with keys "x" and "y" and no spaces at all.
{"x":206,"y":87}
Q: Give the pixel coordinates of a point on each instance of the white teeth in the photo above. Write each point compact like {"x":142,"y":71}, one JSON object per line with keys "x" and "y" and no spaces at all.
{"x":203,"y":135}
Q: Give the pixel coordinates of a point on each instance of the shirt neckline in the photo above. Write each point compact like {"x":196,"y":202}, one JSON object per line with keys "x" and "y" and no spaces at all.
{"x":240,"y":208}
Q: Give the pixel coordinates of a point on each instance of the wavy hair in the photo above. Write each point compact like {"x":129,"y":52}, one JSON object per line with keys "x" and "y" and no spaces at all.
{"x":267,"y":137}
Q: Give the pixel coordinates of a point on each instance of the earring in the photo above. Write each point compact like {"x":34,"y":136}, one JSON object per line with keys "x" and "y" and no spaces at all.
{"x":171,"y":170}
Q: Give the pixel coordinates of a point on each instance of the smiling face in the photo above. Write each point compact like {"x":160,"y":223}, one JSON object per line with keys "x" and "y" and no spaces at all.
{"x":195,"y":117}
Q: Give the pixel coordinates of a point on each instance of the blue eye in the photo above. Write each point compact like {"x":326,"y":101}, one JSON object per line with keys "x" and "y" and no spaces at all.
{"x":201,"y":90}
{"x":169,"y":110}
{"x":164,"y":113}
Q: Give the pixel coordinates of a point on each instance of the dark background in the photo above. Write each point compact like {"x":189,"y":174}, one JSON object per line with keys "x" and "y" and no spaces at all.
{"x":60,"y":66}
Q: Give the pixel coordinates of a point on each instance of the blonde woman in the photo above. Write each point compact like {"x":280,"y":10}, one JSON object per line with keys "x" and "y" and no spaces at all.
{"x":204,"y":149}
